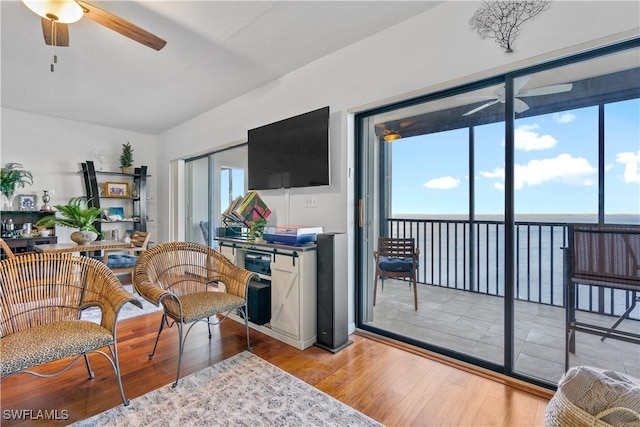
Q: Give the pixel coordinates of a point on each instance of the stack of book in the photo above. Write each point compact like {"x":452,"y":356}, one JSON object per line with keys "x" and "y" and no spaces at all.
{"x":246,"y":209}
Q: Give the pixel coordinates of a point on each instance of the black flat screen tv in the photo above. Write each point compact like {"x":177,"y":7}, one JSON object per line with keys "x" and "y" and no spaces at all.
{"x":290,"y":153}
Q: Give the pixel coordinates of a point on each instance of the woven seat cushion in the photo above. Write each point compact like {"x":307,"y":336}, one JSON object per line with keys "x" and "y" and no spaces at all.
{"x":394,"y":264}
{"x":46,"y":343}
{"x":200,"y":305}
{"x":121,"y":260}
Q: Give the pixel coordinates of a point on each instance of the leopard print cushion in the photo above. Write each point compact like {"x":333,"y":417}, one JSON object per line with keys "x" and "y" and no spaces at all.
{"x":45,"y":343}
{"x":200,"y":305}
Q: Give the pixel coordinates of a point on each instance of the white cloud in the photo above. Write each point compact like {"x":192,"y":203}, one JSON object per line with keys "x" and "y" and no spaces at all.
{"x":497,"y":173}
{"x":631,"y":162}
{"x":564,"y":169}
{"x":527,"y":139}
{"x":564,"y":117}
{"x":443,"y":183}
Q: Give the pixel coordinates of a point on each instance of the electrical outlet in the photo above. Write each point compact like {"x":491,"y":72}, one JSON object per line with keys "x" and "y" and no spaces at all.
{"x":311,"y":202}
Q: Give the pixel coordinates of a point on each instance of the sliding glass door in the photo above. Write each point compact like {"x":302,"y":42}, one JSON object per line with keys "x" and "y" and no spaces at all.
{"x":212,"y":182}
{"x":197,"y":199}
{"x":428,"y":191}
{"x":486,"y":178}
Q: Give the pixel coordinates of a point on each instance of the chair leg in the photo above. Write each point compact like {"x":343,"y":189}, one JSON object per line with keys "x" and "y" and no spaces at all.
{"x":415,"y":293}
{"x":375,"y":288}
{"x":621,"y":318}
{"x":116,"y":366}
{"x":164,"y":317}
{"x":86,"y":362}
{"x":245,"y":315}
{"x":209,"y":326}
{"x":180,"y":350}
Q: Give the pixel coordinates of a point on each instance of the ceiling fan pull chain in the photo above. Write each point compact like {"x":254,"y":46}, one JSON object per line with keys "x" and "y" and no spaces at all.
{"x":53,"y":33}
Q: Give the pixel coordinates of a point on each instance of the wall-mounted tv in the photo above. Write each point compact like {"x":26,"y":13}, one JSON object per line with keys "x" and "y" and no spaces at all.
{"x":290,"y":153}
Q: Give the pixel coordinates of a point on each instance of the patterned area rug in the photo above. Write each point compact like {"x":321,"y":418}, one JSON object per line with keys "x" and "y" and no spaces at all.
{"x":127,"y":311}
{"x":243,"y":390}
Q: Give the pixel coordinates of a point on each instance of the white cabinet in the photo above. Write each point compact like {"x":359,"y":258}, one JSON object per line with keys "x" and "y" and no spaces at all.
{"x":293,"y":289}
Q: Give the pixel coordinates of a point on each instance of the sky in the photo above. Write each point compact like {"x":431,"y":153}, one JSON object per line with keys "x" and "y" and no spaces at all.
{"x":556,"y":169}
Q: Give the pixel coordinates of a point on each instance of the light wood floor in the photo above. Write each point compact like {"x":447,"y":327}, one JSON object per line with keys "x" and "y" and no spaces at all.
{"x":391,"y":385}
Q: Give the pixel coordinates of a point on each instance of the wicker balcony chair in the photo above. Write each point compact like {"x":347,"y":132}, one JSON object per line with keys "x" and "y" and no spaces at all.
{"x":193,"y":283}
{"x":41,"y":299}
{"x":396,"y":258}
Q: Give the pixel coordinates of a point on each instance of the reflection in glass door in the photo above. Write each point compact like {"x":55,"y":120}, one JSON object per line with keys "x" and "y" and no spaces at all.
{"x":212,"y":182}
{"x":574,"y":162}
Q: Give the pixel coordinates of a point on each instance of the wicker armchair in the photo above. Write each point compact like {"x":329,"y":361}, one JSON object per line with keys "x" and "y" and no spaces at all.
{"x":41,"y":298}
{"x":6,"y":250}
{"x":193,"y":283}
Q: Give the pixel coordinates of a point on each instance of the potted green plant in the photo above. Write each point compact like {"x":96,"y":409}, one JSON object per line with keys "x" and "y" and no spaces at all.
{"x":126,"y":158}
{"x":13,"y":176}
{"x":256,"y":229}
{"x":76,"y":214}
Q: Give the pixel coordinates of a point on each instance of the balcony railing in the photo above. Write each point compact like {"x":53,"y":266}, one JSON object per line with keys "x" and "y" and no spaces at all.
{"x":469,"y":256}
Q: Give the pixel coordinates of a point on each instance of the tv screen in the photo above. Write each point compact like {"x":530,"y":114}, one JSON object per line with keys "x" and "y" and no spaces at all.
{"x":290,"y":153}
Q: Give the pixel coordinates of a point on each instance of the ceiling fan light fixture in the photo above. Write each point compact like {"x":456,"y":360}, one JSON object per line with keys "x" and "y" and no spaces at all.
{"x":392,"y":136}
{"x":61,"y":11}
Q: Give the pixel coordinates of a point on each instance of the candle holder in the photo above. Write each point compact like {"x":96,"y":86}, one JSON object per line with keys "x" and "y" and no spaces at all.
{"x":46,"y":198}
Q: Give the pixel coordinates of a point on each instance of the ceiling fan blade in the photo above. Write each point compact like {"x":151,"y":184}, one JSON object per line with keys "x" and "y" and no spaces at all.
{"x":55,"y":34}
{"x":520,"y":106}
{"x":547,"y":90}
{"x":483,"y":106}
{"x":478,"y":97}
{"x":122,"y":26}
{"x":519,"y":83}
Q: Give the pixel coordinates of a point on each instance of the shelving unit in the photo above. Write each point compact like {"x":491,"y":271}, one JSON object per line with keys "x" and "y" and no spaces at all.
{"x":25,"y":244}
{"x":93,"y":178}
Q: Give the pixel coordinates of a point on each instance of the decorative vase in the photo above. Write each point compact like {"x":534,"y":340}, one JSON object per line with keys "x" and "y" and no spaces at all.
{"x":83,"y":237}
{"x":128,"y":170}
{"x":46,"y":198}
{"x":8,"y":204}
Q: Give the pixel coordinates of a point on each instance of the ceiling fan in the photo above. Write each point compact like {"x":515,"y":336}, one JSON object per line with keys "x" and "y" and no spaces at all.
{"x":519,"y":105}
{"x":56,"y":14}
{"x":394,"y":129}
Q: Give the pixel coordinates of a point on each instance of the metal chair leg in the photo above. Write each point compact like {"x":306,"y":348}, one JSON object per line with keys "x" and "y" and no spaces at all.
{"x":113,"y":349}
{"x":164,"y":317}
{"x":621,"y":318}
{"x":180,"y":350}
{"x":245,"y":315}
{"x":86,"y":362}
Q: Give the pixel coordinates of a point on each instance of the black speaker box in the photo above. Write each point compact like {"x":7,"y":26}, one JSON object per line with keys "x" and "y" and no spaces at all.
{"x":332,"y":310}
{"x":259,"y":302}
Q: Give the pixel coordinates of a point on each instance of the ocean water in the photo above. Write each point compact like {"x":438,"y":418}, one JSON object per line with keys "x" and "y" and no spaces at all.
{"x":454,"y":256}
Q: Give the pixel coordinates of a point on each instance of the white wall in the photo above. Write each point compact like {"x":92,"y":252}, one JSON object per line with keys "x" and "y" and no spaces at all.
{"x":434,"y":50}
{"x":53,"y":149}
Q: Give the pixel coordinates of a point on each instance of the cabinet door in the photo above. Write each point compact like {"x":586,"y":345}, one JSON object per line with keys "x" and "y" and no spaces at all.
{"x":230,"y":254}
{"x":285,"y":296}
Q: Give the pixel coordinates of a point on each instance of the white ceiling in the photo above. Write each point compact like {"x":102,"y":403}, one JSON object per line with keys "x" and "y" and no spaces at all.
{"x":215,"y":52}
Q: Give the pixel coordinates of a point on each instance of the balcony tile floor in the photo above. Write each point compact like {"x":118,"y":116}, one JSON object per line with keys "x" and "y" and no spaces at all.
{"x":473,"y":324}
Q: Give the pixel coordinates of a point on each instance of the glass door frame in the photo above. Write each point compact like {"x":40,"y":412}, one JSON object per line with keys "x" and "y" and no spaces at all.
{"x":214,"y":190}
{"x":369,"y":212}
